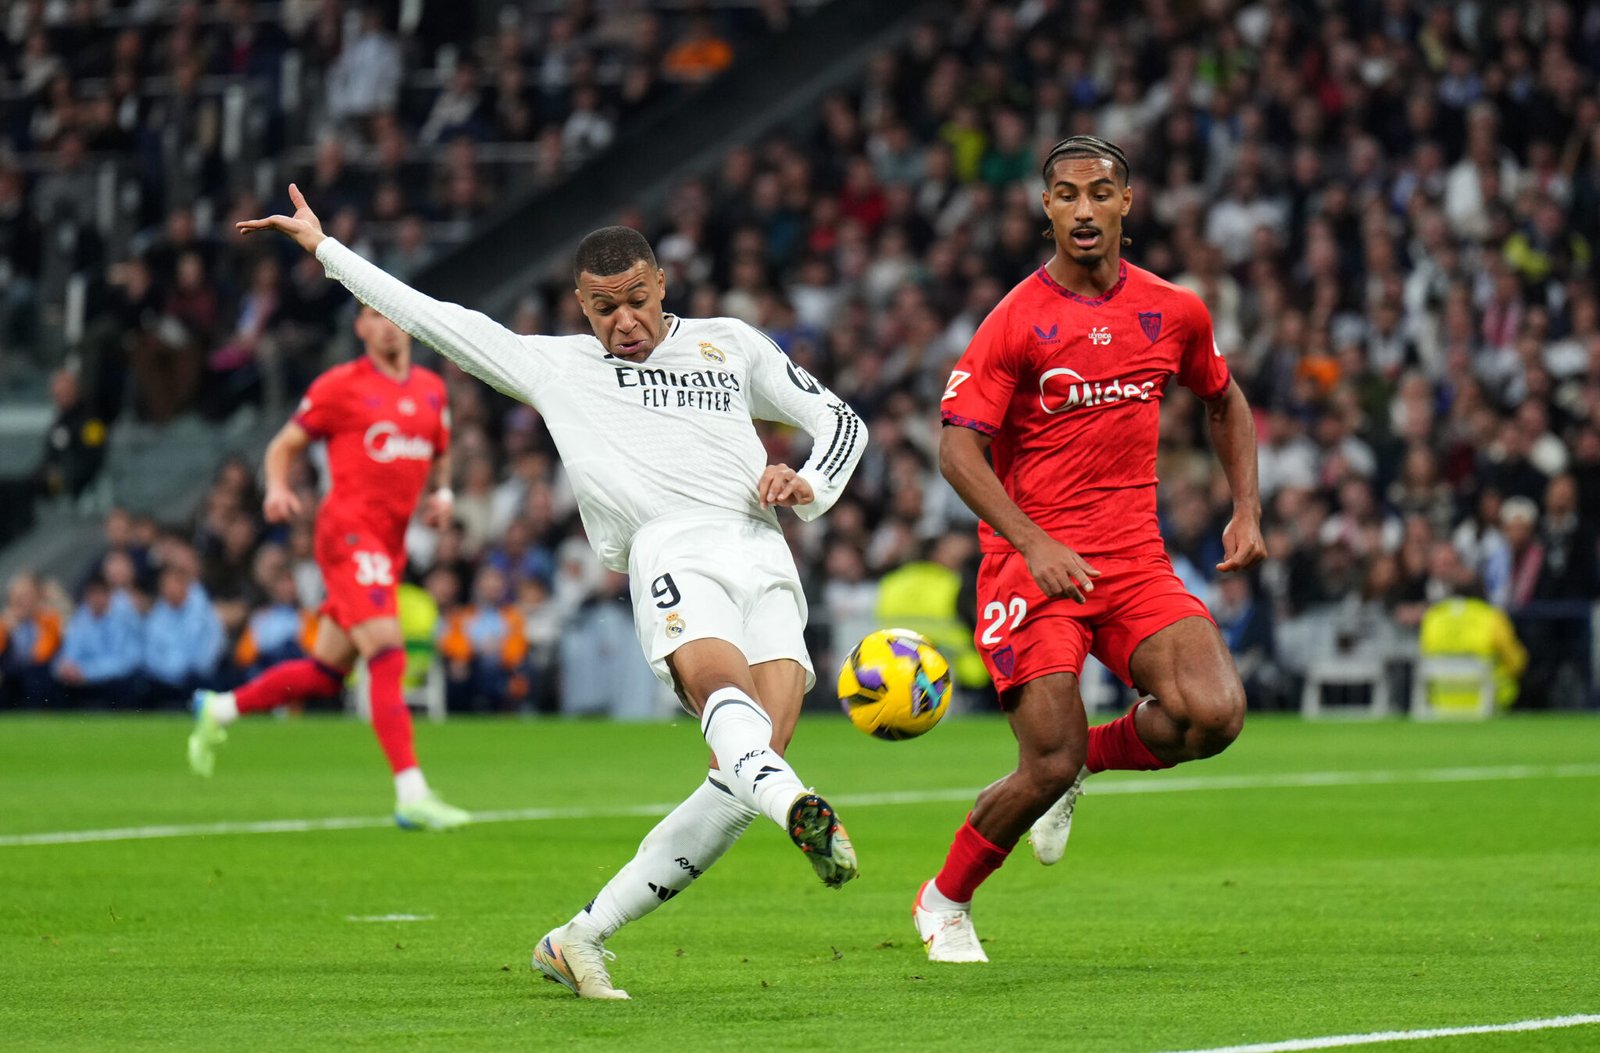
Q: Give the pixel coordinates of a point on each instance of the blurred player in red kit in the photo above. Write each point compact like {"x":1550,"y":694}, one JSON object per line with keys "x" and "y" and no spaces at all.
{"x":1050,"y":435}
{"x":386,"y":423}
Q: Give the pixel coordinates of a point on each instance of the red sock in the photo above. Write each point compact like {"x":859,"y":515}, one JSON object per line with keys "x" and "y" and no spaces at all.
{"x":972,"y":858}
{"x":1117,"y":747}
{"x":288,"y":682}
{"x":391,"y":720}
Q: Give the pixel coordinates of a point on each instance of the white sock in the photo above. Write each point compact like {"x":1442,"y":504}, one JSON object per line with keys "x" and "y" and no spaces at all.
{"x":739,"y":732}
{"x":223,"y":708}
{"x":680,"y":848}
{"x":933,"y":899}
{"x":410,"y":786}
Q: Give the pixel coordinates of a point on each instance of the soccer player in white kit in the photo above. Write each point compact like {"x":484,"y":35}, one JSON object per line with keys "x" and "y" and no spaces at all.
{"x":654,"y":418}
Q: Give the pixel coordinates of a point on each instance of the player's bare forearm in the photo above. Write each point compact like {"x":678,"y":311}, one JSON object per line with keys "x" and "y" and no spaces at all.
{"x":1057,"y":569}
{"x":1233,"y":434}
{"x":290,"y":442}
{"x":439,"y":506}
{"x":439,"y":477}
{"x":964,"y":466}
{"x":280,"y":503}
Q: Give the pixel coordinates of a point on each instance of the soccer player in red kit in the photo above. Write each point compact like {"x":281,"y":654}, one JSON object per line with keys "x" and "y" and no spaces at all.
{"x":1061,"y":387}
{"x":386,"y":423}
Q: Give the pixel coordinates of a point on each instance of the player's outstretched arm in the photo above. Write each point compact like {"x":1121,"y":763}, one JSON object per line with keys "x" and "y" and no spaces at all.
{"x":472,"y":340}
{"x":1233,"y":433}
{"x":1057,"y":569}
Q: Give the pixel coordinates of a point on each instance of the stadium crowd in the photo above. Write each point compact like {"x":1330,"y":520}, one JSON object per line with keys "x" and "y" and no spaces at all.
{"x":1391,"y":208}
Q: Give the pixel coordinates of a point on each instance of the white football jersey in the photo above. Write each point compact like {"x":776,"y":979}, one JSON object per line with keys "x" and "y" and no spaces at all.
{"x":673,"y":434}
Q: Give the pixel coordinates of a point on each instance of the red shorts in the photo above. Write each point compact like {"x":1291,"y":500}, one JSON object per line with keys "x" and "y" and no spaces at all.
{"x":1023,"y":634}
{"x":359,"y":574}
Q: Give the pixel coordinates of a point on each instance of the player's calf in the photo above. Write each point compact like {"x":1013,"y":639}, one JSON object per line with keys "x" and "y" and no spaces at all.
{"x":1192,"y":722}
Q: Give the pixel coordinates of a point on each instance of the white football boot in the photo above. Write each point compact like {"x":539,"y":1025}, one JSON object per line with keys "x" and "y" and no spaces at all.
{"x":577,"y":958}
{"x":948,"y":935}
{"x":1051,"y":830}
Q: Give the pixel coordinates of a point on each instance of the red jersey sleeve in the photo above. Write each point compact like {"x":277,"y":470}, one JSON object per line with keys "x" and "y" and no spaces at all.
{"x":318,"y":412}
{"x":1202,"y":368}
{"x":983,"y":381}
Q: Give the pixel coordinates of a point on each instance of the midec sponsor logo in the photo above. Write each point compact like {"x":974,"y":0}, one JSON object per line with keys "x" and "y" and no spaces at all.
{"x":1061,"y":390}
{"x":385,"y":443}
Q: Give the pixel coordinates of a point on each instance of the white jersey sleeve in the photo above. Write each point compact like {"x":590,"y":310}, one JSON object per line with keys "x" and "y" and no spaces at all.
{"x":510,"y":363}
{"x":781,"y":390}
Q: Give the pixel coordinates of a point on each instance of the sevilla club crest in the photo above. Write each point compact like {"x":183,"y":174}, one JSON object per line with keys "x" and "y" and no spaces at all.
{"x":1150,"y":322}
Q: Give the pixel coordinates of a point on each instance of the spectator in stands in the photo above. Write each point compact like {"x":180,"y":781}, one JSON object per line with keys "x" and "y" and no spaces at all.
{"x":183,"y":637}
{"x":30,"y":637}
{"x":700,"y":55}
{"x":1519,"y":563}
{"x":1463,"y":625}
{"x":100,"y":655}
{"x":21,"y":253}
{"x":365,"y":79}
{"x":74,"y":450}
{"x":458,"y":109}
{"x":485,"y":649}
{"x":234,"y":371}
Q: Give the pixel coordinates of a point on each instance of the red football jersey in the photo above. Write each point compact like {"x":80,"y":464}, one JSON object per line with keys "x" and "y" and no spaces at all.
{"x":382,"y":435}
{"x":1070,"y":389}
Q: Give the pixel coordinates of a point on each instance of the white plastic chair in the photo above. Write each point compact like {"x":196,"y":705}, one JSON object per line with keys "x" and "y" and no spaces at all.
{"x":1345,"y":671}
{"x":1455,"y":671}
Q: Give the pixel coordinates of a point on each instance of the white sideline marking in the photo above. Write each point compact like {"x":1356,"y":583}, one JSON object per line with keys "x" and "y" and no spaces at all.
{"x":1336,"y":1041}
{"x":388,"y":917}
{"x":1153,"y":784}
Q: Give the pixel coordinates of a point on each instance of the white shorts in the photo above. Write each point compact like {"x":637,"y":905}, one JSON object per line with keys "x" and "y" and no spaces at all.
{"x":717,"y":577}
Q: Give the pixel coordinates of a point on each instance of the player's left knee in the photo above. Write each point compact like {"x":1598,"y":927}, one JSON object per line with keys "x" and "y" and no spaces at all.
{"x":1217,"y":720}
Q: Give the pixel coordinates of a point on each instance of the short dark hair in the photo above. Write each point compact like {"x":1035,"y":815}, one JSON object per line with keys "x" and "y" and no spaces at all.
{"x":611,"y":250}
{"x":1087,"y":146}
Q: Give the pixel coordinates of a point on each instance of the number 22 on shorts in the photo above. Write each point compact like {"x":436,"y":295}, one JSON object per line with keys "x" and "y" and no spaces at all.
{"x":996,"y":616}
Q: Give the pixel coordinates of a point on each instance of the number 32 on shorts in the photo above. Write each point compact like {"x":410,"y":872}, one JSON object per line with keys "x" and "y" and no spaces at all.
{"x":1001,"y":618}
{"x":373,"y":568}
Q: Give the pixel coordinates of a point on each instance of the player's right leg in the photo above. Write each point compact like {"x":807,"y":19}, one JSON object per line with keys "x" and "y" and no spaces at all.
{"x":719,"y":686}
{"x":417,"y":807}
{"x":320,"y":675}
{"x":680,"y":848}
{"x":1048,"y":721}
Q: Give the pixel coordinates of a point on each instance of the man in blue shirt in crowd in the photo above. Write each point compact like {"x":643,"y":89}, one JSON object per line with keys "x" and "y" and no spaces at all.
{"x":183,"y":637}
{"x":99,"y":659}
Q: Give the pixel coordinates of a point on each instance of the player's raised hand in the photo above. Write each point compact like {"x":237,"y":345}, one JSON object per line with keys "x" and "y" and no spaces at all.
{"x":782,"y":485}
{"x":1242,"y":545}
{"x":304,"y":226}
{"x":281,"y":505}
{"x":1059,"y":571}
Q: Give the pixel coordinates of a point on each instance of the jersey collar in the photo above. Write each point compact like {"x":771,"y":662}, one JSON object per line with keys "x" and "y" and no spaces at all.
{"x":1096,"y":301}
{"x":372,"y":367}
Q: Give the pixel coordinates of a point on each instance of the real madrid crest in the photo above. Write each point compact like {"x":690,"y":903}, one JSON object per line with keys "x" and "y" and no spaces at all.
{"x":674,"y":625}
{"x":712,"y":353}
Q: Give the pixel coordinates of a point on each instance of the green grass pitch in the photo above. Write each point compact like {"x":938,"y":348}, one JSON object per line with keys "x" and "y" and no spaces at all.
{"x":1311,"y":881}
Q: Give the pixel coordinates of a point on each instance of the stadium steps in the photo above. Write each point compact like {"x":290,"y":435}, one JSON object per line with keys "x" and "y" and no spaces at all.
{"x":158,"y":470}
